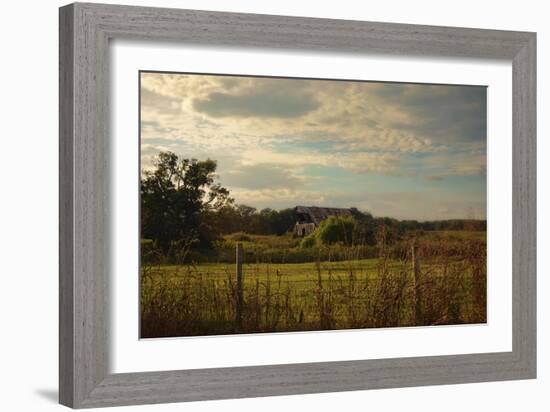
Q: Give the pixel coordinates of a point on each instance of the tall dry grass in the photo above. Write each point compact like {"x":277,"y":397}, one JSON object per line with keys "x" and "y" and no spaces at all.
{"x":449,"y":288}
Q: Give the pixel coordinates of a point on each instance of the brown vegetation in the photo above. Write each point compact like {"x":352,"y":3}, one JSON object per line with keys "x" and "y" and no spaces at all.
{"x":425,"y":279}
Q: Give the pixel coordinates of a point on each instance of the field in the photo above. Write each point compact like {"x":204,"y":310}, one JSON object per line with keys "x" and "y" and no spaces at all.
{"x":431,"y":278}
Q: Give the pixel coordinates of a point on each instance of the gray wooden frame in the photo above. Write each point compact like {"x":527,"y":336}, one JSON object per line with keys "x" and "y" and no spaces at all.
{"x":85,"y":31}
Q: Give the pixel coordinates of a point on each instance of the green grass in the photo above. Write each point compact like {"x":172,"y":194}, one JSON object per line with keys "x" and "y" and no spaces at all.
{"x":272,"y":241}
{"x":297,"y":277}
{"x":289,"y":271}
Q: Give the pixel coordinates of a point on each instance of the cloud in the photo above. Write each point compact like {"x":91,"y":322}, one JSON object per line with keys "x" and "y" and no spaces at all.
{"x":393,"y":141}
{"x":424,"y":205}
{"x":356,"y":162}
{"x":262,"y":176}
{"x":149,"y":100}
{"x":269,"y":103}
{"x":365,"y":162}
{"x":434,"y":178}
{"x":357,"y":115}
{"x":456,"y":164}
{"x":278,"y":198}
{"x":448,"y":113}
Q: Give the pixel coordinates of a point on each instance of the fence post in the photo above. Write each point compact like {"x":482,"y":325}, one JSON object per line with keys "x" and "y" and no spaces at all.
{"x":417,"y":285}
{"x":239,"y":287}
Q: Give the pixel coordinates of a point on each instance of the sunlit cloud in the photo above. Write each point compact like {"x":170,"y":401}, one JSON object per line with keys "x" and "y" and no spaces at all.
{"x":280,"y":142}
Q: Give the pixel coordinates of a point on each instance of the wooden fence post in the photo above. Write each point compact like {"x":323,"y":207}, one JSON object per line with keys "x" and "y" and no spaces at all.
{"x":417,"y":285}
{"x":239,"y":287}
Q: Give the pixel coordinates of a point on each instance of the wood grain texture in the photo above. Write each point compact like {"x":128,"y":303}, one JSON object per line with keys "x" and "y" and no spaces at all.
{"x":524,"y":206}
{"x":85,"y":31}
{"x":84,"y":98}
{"x":66,"y":229}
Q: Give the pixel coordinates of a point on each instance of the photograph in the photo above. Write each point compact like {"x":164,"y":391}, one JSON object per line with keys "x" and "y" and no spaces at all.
{"x":277,"y":204}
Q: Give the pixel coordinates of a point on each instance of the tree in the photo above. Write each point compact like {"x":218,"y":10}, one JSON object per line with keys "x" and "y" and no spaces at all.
{"x":365,"y":228}
{"x":176,"y":197}
{"x":282,"y":221}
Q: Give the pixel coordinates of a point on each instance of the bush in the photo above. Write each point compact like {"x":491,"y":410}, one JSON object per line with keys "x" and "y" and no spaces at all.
{"x":308,"y":242}
{"x":336,"y":229}
{"x":240,"y":237}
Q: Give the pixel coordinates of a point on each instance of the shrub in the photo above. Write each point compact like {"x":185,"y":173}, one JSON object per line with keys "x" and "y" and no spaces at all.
{"x":336,"y":229}
{"x":308,"y":242}
{"x":240,"y":237}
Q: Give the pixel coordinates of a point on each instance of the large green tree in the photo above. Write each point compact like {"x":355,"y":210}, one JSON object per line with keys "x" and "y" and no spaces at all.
{"x":176,"y":198}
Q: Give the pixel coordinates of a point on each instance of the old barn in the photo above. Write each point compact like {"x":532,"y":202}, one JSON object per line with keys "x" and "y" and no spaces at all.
{"x":309,"y":217}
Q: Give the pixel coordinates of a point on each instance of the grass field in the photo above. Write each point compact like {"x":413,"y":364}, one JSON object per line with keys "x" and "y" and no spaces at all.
{"x":445,"y":283}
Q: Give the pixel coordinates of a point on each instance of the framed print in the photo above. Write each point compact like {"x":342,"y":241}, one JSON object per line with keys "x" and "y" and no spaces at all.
{"x":242,"y":196}
{"x":329,"y":266}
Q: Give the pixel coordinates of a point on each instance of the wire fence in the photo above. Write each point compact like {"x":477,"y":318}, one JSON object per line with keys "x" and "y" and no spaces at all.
{"x":203,"y":300}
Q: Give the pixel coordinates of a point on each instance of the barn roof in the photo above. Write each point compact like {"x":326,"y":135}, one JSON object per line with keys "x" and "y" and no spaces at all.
{"x":318,"y":214}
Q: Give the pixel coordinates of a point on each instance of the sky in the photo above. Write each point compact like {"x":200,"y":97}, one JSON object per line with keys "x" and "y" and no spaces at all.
{"x":408,"y":151}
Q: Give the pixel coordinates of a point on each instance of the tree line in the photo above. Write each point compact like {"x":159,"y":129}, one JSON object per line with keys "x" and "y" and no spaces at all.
{"x":182,"y":202}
